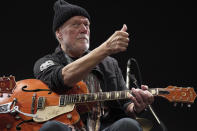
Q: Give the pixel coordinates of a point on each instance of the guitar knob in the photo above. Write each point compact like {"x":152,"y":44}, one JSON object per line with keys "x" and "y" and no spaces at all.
{"x":8,"y":126}
{"x":175,"y":104}
{"x":17,"y":117}
{"x":181,"y":104}
{"x":69,"y":116}
{"x":189,"y":105}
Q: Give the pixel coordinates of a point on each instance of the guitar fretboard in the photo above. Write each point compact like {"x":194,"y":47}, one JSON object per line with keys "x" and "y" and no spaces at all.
{"x":100,"y":96}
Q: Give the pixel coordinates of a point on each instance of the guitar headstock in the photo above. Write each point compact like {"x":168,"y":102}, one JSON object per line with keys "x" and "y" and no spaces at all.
{"x":7,"y":84}
{"x":179,"y":94}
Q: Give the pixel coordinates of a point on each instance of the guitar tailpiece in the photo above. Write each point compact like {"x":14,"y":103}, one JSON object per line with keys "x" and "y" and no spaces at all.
{"x":6,"y":108}
{"x":16,"y":109}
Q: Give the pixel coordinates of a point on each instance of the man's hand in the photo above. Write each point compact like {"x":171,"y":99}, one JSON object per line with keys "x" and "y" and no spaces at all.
{"x":118,"y":42}
{"x":141,"y":99}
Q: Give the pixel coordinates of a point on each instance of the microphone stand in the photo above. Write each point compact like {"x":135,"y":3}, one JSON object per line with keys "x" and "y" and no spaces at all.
{"x":137,"y":86}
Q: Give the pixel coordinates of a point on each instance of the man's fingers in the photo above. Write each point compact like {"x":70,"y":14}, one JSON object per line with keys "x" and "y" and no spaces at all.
{"x":134,"y":100}
{"x":124,"y":28}
{"x":144,"y":87}
{"x":124,"y":39}
{"x":137,"y":94}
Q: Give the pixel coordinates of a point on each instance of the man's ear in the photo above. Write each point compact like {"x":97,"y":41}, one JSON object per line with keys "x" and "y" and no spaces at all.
{"x":58,"y":34}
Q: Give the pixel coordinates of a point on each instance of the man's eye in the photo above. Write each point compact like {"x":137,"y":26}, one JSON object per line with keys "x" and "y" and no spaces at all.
{"x":87,"y":25}
{"x":75,"y":25}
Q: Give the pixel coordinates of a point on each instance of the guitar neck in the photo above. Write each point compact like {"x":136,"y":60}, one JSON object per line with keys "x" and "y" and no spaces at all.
{"x":102,"y":96}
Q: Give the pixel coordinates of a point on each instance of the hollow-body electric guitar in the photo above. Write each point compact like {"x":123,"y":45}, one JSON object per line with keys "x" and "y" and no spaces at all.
{"x":31,"y":103}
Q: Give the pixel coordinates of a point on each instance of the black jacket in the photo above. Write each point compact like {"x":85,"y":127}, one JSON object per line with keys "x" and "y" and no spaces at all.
{"x":48,"y":69}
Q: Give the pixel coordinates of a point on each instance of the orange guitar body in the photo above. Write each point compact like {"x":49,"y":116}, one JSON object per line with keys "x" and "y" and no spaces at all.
{"x":43,"y":105}
{"x":24,"y":102}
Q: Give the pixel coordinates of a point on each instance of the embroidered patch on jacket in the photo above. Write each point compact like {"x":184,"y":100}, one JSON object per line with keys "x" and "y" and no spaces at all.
{"x":46,"y":64}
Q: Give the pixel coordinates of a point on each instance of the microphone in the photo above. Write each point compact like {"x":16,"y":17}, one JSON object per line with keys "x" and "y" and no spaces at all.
{"x":128,"y":74}
{"x":131,"y":77}
{"x":131,"y":80}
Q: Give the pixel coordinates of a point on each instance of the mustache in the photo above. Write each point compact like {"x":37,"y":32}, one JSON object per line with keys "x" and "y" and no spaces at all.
{"x":83,"y":36}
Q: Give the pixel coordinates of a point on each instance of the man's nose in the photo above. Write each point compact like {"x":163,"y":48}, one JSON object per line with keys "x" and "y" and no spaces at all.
{"x":84,"y":29}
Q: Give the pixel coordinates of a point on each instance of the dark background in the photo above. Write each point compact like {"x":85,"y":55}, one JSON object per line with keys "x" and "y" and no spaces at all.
{"x":162,"y":38}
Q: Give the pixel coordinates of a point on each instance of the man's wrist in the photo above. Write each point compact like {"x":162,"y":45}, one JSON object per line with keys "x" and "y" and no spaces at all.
{"x":138,"y":113}
{"x":130,"y":110}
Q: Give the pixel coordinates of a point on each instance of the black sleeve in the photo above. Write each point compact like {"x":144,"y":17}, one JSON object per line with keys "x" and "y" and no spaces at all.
{"x":49,"y":71}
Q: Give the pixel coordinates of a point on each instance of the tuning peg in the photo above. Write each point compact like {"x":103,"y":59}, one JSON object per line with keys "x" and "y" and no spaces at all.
{"x":175,"y":104}
{"x":189,"y":105}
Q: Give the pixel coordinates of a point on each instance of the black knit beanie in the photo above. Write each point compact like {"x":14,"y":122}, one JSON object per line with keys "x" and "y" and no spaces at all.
{"x":64,"y":11}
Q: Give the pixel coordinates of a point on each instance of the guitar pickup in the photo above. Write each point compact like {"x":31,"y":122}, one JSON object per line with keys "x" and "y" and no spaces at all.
{"x":41,"y":103}
{"x":62,"y":100}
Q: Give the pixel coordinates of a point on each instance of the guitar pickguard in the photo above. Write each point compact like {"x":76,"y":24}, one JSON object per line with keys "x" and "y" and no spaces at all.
{"x":50,"y":112}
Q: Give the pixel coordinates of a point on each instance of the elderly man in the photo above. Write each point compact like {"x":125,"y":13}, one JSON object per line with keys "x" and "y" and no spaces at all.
{"x":73,"y":62}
